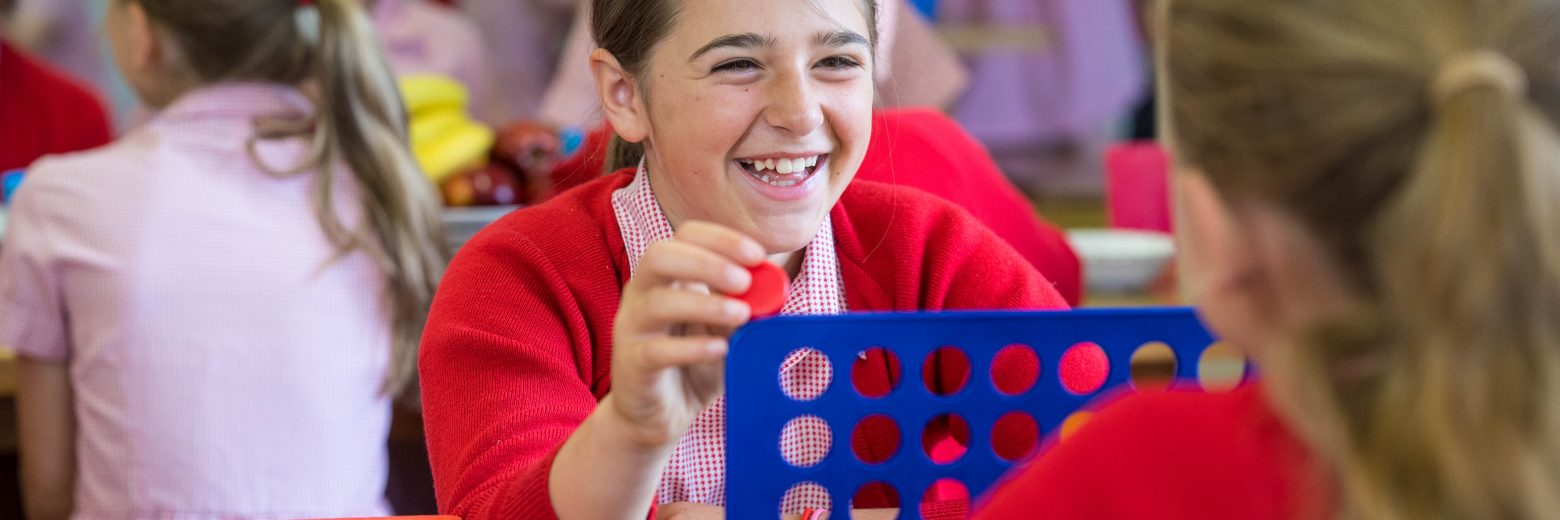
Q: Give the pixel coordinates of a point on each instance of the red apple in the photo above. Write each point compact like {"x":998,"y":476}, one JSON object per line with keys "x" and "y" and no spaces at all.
{"x":494,"y":185}
{"x":529,"y":147}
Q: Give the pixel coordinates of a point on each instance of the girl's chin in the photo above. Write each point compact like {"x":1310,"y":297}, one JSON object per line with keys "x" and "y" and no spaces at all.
{"x":785,"y":235}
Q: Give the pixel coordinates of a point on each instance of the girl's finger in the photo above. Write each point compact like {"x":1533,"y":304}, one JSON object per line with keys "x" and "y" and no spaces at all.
{"x":676,"y":261}
{"x":722,"y":240}
{"x":673,"y":352}
{"x":664,"y":306}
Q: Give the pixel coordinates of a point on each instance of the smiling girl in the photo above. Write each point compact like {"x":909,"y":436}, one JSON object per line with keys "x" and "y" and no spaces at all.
{"x":572,"y":364}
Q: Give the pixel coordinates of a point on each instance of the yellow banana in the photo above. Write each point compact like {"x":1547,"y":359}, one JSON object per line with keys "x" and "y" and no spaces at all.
{"x":423,"y":92}
{"x":464,"y":146}
{"x":428,"y":126}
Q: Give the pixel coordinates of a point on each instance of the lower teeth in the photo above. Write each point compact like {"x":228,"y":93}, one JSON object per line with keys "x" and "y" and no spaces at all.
{"x":781,"y":183}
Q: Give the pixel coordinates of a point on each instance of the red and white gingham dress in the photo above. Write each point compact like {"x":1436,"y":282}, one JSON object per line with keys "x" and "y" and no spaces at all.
{"x":697,"y":469}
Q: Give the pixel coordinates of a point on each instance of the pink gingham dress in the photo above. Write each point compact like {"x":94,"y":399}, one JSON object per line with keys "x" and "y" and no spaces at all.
{"x":697,"y":469}
{"x":222,"y":365}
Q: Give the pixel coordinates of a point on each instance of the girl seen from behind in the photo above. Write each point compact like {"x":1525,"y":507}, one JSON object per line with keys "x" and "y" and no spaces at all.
{"x":1366,"y":205}
{"x":213,"y":313}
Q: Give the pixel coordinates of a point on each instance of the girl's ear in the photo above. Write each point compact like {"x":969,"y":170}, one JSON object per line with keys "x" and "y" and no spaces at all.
{"x":620,"y":98}
{"x":1221,"y":269}
{"x":145,"y":49}
{"x":1203,"y":236}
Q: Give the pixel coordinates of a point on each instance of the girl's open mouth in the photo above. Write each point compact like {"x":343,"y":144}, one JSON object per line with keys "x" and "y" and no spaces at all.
{"x":785,"y":172}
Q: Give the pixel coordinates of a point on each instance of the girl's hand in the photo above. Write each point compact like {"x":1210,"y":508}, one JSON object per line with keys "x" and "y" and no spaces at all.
{"x":669,"y":337}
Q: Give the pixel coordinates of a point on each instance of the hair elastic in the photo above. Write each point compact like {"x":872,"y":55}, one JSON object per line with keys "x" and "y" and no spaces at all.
{"x":308,"y":19}
{"x":1480,"y":68}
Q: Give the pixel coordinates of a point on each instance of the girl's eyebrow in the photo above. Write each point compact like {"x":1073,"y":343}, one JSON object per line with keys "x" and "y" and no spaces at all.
{"x":841,"y":39}
{"x":753,"y":40}
{"x":740,"y":41}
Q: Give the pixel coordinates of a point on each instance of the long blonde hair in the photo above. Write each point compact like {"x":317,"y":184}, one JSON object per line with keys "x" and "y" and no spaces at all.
{"x":1440,"y":396}
{"x":360,"y":121}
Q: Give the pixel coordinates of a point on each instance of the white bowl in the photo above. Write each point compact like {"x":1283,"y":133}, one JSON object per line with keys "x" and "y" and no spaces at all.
{"x":460,"y":224}
{"x":1121,"y":261}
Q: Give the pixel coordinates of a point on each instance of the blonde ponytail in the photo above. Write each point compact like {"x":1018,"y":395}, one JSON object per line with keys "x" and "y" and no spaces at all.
{"x":362,"y":123}
{"x":1459,"y":419}
{"x":1417,"y":139}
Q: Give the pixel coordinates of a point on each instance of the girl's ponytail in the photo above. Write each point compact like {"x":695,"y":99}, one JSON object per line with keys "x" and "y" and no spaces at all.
{"x":1466,"y":259}
{"x":362,"y":123}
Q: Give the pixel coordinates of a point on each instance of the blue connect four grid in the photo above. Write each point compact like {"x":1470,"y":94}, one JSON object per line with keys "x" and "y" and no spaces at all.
{"x":757,"y":477}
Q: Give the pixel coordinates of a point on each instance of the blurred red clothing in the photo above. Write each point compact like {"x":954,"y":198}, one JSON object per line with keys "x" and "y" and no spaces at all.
{"x":1171,"y":455}
{"x":43,"y":111}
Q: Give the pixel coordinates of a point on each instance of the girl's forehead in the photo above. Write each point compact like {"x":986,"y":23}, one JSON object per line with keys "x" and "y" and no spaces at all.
{"x":698,"y":21}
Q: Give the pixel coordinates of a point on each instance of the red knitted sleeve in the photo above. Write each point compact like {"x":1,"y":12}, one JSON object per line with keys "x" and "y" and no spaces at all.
{"x":973,"y":268}
{"x":505,"y":379}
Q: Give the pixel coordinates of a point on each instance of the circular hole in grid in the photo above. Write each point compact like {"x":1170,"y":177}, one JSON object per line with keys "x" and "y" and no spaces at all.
{"x":1073,"y":422}
{"x":1015,"y":369}
{"x":875,"y":439}
{"x":1014,"y":436}
{"x":805,"y":441}
{"x":875,"y":373}
{"x":1221,"y":368}
{"x":1083,"y":368}
{"x":874,"y":500}
{"x":804,"y":495}
{"x":946,"y":438}
{"x":1153,"y":366}
{"x":944,"y":498}
{"x":946,"y":371}
{"x":805,"y":374}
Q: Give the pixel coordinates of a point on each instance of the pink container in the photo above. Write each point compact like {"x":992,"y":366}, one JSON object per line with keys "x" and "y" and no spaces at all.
{"x":1137,"y":186}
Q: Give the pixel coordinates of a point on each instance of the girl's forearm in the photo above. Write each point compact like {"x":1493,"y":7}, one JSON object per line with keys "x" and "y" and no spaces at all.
{"x":602,"y":473}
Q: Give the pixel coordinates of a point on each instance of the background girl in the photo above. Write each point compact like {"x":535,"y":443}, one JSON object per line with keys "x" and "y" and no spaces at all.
{"x":1366,"y":205}
{"x":213,"y":312}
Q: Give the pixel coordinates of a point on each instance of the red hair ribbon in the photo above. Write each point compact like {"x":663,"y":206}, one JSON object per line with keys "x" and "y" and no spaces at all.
{"x":305,"y":3}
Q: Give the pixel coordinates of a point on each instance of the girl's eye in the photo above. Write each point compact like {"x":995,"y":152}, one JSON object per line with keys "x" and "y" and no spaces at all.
{"x":736,"y":66}
{"x":839,"y":62}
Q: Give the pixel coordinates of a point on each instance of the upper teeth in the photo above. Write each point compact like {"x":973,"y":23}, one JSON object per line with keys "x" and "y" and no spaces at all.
{"x":784,"y":166}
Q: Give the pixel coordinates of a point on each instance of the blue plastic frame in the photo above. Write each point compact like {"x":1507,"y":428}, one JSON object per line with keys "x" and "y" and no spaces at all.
{"x":756,"y":475}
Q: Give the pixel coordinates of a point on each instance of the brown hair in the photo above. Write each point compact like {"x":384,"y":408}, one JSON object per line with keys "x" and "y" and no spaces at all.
{"x":360,"y":121}
{"x":1440,"y":396}
{"x":631,"y":30}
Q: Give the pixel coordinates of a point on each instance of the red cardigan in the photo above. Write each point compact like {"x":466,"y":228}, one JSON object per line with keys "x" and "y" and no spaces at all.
{"x":518,"y":345}
{"x":1169,"y":455}
{"x":42,"y":112}
{"x":924,"y":149}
